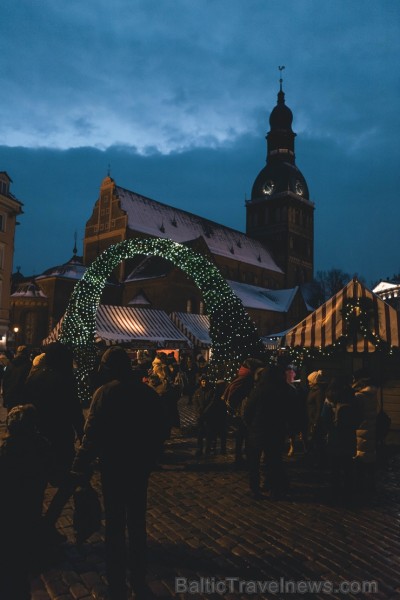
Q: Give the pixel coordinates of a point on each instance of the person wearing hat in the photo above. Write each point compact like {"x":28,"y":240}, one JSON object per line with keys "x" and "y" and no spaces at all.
{"x":235,"y":396}
{"x":14,"y":378}
{"x":124,"y":429}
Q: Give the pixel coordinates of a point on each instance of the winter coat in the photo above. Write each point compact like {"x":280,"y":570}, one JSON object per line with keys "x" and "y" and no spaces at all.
{"x":202,"y":398}
{"x":237,"y":391}
{"x":14,"y":379}
{"x":315,"y":401}
{"x":366,"y":400}
{"x":340,"y":424}
{"x":124,"y":429}
{"x":267,"y":413}
{"x":25,"y":467}
{"x":54,"y":394}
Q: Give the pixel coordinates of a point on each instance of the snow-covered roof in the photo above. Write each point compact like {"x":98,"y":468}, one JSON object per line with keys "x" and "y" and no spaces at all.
{"x":385,"y":286}
{"x":28,"y":290}
{"x":253,"y":296}
{"x":156,"y":219}
{"x":139,"y":299}
{"x":73,"y":269}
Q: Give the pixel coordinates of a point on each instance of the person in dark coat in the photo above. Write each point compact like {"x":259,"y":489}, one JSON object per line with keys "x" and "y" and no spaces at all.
{"x":14,"y":378}
{"x":53,"y":391}
{"x":124,"y":429}
{"x":235,"y":395}
{"x":266,"y":416}
{"x":340,"y":418}
{"x":202,"y":400}
{"x":190,"y":372}
{"x":366,"y":401}
{"x":215,"y":418}
{"x":316,"y":436}
{"x":298,"y":411}
{"x":25,"y":464}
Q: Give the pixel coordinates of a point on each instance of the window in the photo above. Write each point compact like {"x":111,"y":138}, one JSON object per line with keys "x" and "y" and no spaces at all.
{"x":201,"y":307}
{"x":189,"y":305}
{"x":2,"y":222}
{"x":2,"y":250}
{"x":3,"y":187}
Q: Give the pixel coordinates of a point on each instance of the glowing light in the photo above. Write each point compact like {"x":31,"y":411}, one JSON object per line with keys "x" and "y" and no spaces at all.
{"x":233,"y":334}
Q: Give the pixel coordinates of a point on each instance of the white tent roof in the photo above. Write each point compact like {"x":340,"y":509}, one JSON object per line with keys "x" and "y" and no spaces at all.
{"x":195,"y":327}
{"x":140,"y":327}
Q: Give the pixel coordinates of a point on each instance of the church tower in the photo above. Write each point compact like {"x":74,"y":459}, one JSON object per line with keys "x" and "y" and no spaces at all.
{"x":280,"y":213}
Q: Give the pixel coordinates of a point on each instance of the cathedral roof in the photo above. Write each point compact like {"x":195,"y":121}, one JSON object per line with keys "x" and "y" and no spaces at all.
{"x":151,"y":217}
{"x":73,"y":269}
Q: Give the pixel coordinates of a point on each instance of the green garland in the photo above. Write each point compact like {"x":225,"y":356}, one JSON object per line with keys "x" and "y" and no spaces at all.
{"x":358,"y":314}
{"x":233,"y":334}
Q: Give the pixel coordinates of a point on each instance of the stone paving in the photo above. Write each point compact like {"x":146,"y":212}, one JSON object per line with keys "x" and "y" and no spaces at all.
{"x":206,"y":532}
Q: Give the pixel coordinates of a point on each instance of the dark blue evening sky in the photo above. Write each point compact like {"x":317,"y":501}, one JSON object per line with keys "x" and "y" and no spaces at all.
{"x":176,"y":96}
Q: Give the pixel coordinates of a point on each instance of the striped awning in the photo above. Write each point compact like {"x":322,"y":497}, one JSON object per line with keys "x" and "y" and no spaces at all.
{"x":327,"y":325}
{"x":195,"y":327}
{"x":138,"y":327}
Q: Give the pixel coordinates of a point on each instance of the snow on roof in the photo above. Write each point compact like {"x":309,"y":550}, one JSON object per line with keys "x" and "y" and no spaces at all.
{"x":73,"y":269}
{"x":258,"y":297}
{"x":385,"y":286}
{"x":160,"y":220}
{"x":29,"y":290}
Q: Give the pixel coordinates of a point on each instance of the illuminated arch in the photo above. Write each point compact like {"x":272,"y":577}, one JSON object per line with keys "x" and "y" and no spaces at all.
{"x":233,"y":334}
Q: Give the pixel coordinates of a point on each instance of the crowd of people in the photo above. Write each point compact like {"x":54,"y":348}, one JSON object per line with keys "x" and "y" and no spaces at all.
{"x":266,"y":410}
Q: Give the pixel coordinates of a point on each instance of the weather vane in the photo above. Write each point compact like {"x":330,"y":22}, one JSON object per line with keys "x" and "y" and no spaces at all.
{"x":280,"y":79}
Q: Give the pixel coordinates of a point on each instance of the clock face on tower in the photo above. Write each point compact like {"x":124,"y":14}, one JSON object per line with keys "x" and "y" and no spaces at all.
{"x":299,"y":188}
{"x":268,"y":187}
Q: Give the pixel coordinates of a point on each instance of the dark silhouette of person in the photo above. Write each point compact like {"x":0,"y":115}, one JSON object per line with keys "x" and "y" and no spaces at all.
{"x":215,"y":419}
{"x":267,"y":415}
{"x":14,"y":378}
{"x":25,"y":464}
{"x":235,"y":396}
{"x":125,"y":430}
{"x":339,"y":417}
{"x":202,"y":400}
{"x":53,"y":391}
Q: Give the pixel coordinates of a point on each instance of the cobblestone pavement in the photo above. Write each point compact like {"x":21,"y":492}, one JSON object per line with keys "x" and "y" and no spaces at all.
{"x":202,"y":523}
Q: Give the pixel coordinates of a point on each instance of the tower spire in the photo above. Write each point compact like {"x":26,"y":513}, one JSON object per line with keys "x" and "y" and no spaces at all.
{"x":75,"y":250}
{"x":280,"y":78}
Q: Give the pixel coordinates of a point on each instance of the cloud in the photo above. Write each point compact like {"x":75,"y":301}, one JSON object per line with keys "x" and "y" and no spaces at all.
{"x":180,"y":75}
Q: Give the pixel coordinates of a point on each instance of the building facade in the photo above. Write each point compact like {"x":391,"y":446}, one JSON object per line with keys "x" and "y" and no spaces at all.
{"x":266,"y":266}
{"x":10,"y":209}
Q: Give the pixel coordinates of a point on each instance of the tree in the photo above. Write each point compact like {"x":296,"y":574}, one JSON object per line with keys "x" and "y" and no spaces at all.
{"x":332,"y":281}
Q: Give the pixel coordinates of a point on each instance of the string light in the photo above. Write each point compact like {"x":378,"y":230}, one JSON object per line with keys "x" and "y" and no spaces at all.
{"x":358,"y":314}
{"x":234,"y":336}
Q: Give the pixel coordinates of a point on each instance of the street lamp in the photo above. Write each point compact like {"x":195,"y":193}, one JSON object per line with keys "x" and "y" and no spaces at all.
{"x":15,"y":330}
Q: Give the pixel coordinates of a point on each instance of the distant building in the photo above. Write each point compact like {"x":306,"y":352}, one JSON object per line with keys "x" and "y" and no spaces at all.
{"x":268,"y":267}
{"x":389,"y":291}
{"x":10,"y":208}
